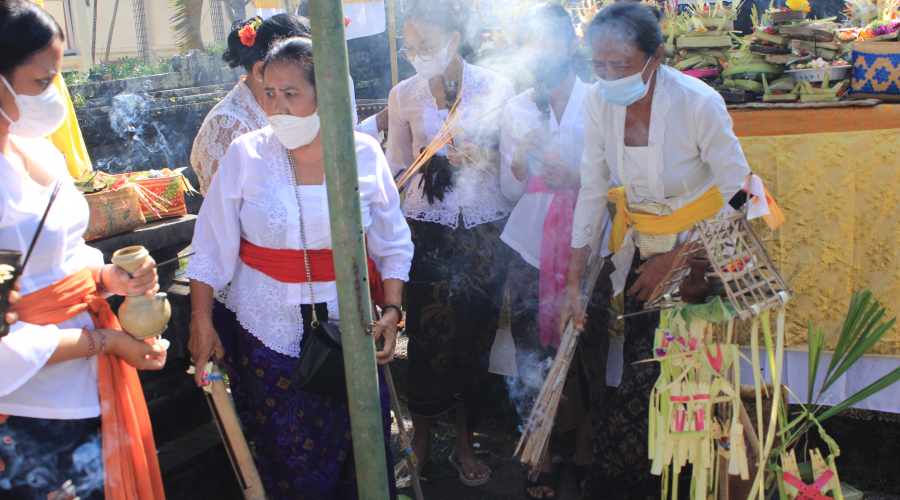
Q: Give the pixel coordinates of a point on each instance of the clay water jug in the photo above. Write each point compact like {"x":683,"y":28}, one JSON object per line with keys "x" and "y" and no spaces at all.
{"x":694,"y":288}
{"x":141,"y":316}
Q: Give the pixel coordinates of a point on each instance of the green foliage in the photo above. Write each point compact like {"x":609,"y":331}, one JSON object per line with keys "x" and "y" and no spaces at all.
{"x":215,"y":50}
{"x":125,"y":67}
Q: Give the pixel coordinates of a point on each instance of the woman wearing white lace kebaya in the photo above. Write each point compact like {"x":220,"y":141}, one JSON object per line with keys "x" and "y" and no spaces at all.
{"x":264,"y":219}
{"x":241,"y":110}
{"x":457,"y":212}
{"x":668,"y":139}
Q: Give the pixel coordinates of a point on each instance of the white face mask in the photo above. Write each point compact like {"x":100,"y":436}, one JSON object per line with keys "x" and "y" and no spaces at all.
{"x":435,"y":67}
{"x":295,"y":131}
{"x":625,"y":91}
{"x":39,"y":115}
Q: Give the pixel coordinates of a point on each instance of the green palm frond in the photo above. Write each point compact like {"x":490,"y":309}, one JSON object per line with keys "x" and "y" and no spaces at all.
{"x":816,"y":343}
{"x":874,"y":387}
{"x":862,"y":330}
{"x":186,"y":23}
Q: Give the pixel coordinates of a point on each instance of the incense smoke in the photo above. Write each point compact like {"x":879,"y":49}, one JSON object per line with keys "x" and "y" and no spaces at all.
{"x":524,"y":389}
{"x":35,"y":467}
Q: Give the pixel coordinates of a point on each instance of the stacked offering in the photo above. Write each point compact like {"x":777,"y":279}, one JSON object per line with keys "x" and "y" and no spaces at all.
{"x":786,"y":59}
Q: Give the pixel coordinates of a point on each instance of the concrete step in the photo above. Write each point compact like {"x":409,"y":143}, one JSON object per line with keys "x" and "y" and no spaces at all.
{"x":165,"y":94}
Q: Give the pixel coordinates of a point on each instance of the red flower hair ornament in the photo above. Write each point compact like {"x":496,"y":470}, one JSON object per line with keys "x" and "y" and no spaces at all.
{"x":248,"y":32}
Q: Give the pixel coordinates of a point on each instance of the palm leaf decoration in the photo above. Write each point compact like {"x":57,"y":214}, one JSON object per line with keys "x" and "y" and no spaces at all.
{"x":864,"y":327}
{"x":186,"y":23}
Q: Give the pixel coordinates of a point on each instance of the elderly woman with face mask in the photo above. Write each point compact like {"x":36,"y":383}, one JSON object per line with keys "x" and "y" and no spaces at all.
{"x":457,"y":212}
{"x":265,"y":212}
{"x":68,"y":384}
{"x":241,"y":111}
{"x":667,"y":138}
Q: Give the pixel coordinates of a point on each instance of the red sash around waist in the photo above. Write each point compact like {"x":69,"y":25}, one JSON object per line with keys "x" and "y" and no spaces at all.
{"x":288,"y":266}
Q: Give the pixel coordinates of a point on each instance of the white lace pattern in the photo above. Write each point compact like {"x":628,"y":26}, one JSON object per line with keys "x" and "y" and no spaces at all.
{"x":235,"y":115}
{"x":252,"y":197}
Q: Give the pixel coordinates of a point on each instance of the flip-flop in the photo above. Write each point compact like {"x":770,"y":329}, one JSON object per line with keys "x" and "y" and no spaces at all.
{"x":462,"y":475}
{"x":581,"y":472}
{"x":545,"y":479}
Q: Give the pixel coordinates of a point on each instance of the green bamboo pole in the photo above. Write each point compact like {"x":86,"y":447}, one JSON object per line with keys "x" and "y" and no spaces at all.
{"x":348,"y":242}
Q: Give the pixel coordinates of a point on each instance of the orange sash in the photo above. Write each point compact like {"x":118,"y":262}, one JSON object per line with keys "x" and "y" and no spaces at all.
{"x":130,"y":466}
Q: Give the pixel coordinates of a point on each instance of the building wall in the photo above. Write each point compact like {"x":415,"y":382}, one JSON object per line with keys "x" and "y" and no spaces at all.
{"x":76,"y":19}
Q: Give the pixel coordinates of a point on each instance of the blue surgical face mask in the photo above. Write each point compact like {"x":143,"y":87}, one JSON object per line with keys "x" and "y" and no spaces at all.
{"x":625,"y":91}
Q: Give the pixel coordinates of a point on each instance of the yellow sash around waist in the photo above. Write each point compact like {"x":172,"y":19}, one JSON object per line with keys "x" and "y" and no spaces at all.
{"x":704,"y":207}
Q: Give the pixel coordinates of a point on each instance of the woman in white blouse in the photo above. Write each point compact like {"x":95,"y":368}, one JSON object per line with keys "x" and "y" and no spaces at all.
{"x":541,"y":145}
{"x":267,"y":203}
{"x":459,"y":270}
{"x":56,"y":359}
{"x":668,"y":139}
{"x":241,"y":111}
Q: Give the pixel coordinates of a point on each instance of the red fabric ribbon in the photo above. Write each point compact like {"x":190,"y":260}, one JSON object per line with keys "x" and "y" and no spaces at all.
{"x":289,"y":266}
{"x":556,"y":251}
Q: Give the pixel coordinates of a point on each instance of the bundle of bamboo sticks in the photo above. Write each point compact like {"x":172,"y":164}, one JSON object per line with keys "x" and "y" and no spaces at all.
{"x":453,"y":126}
{"x":536,"y":431}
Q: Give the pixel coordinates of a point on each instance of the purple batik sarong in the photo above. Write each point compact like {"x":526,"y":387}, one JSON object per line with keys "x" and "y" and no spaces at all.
{"x":301,"y":442}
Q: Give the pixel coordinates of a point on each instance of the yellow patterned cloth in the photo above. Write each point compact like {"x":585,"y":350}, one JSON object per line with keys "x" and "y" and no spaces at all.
{"x":839,"y":192}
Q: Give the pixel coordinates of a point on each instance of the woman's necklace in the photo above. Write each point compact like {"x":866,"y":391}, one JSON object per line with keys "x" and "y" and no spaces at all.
{"x":296,"y":174}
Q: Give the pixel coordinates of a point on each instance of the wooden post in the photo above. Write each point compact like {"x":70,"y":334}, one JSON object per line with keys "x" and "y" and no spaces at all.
{"x":392,"y":27}
{"x":348,"y":242}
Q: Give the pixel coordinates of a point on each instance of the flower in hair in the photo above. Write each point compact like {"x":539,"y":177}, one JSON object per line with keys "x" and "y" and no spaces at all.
{"x":248,"y":32}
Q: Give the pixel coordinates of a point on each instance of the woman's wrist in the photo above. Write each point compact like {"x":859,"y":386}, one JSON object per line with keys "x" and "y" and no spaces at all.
{"x":101,"y":282}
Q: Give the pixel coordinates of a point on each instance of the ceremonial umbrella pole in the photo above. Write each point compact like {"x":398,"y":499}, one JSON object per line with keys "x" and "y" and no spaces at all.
{"x":348,"y":242}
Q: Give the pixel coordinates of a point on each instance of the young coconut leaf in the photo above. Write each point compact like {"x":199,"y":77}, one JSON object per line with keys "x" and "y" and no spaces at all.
{"x":862,"y":335}
{"x":816,"y":343}
{"x":873,"y":388}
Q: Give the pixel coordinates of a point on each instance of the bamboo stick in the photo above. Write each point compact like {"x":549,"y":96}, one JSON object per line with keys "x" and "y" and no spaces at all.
{"x":404,"y":436}
{"x":232,"y":434}
{"x":451,"y":127}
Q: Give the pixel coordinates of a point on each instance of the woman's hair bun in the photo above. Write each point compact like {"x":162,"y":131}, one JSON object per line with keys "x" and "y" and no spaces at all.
{"x":268,"y":32}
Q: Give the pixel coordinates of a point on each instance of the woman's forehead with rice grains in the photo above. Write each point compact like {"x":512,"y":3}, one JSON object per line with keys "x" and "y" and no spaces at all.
{"x":615,"y":53}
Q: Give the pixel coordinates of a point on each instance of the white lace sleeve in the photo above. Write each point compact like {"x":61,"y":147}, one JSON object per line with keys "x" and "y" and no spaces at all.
{"x":595,"y":178}
{"x":211,"y":143}
{"x":388,"y":238}
{"x":400,"y":141}
{"x":217,"y":233}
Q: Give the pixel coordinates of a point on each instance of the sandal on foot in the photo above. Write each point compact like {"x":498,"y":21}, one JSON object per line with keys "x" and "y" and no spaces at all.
{"x":546,"y":480}
{"x":581,"y":472}
{"x":462,"y":475}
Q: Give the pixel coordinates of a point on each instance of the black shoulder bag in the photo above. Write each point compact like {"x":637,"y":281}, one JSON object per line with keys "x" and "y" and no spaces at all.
{"x":320,"y":369}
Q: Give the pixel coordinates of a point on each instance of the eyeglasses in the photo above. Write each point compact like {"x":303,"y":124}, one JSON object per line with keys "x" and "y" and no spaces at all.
{"x":424,"y":54}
